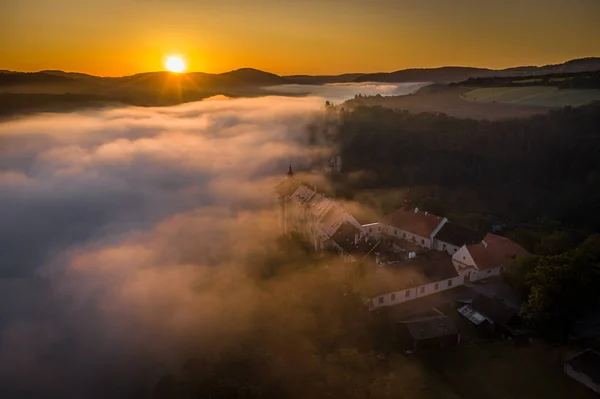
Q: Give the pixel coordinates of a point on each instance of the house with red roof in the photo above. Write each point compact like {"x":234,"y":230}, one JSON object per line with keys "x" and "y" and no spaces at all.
{"x":486,"y":258}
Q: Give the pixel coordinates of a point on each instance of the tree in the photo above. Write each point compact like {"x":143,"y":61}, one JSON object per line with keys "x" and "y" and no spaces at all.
{"x":564,"y":287}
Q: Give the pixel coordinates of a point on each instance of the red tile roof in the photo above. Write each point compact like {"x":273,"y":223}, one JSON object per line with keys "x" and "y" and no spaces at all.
{"x":494,"y":251}
{"x":416,"y":223}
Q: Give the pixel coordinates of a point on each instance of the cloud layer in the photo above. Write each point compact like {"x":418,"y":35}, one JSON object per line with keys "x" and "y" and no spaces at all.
{"x":123,"y":232}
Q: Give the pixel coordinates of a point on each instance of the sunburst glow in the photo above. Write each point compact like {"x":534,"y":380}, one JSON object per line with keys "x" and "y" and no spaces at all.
{"x":175,"y":64}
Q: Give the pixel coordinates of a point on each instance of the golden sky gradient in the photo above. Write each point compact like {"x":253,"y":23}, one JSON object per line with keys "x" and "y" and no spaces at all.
{"x":120,"y":37}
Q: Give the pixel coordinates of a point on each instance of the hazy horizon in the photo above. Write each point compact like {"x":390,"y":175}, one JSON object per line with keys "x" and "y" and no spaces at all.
{"x":309,"y":74}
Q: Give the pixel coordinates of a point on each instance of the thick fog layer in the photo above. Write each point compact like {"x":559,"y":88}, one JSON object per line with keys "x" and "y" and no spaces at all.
{"x":122,"y":232}
{"x":340,"y":92}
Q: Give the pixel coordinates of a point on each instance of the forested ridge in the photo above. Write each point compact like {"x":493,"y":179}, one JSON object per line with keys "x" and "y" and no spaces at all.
{"x":546,"y":166}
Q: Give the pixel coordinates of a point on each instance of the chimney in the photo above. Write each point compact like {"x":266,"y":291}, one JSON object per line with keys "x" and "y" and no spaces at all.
{"x":416,"y":210}
{"x":426,"y":213}
{"x":485,"y":244}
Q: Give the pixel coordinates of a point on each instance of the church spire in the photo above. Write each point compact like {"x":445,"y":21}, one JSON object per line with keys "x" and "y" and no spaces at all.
{"x":290,"y":173}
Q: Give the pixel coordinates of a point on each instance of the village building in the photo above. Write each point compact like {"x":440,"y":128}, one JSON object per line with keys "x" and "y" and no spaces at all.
{"x":414,"y":278}
{"x":486,"y":258}
{"x":318,"y":218}
{"x":451,"y":237}
{"x":585,"y":368}
{"x":489,"y":313}
{"x":435,"y":331}
{"x":351,"y":243}
{"x":416,"y":253}
{"x":412,"y":226}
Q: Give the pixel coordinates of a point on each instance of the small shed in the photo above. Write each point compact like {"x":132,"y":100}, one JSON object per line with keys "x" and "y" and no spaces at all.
{"x":585,"y":368}
{"x":492,"y":313}
{"x":434,"y":331}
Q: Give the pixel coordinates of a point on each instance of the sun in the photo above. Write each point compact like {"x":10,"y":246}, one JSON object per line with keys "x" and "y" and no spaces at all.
{"x":175,"y":64}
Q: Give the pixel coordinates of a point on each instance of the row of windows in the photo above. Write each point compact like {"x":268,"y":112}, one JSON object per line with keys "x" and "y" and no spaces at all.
{"x":379,"y":229}
{"x":436,"y":287}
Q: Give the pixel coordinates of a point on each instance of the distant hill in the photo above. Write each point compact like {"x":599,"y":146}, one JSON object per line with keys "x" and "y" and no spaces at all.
{"x":457,"y":74}
{"x":149,"y":81}
{"x":52,"y":89}
{"x":254,"y":77}
{"x":249,"y":76}
{"x":436,"y":75}
{"x":8,"y":78}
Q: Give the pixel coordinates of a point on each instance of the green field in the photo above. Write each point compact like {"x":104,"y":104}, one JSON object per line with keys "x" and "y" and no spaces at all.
{"x":541,"y":96}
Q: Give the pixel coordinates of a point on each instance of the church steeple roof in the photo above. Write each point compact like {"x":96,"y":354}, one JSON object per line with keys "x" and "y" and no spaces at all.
{"x":290,"y":173}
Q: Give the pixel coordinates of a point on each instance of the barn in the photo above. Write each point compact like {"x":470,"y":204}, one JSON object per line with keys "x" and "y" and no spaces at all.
{"x":434,"y":331}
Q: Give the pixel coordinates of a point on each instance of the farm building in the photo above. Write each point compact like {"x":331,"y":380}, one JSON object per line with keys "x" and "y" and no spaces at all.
{"x":419,"y":254}
{"x":585,"y":368}
{"x":414,"y":278}
{"x":452,"y":237}
{"x":313,"y":215}
{"x":435,"y":331}
{"x":486,"y":258}
{"x":349,"y":242}
{"x":486,"y":312}
{"x":413,"y":226}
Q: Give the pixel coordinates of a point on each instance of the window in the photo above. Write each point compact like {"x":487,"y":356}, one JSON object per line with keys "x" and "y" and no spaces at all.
{"x":464,"y":258}
{"x":370,"y":229}
{"x":422,"y":241}
{"x":489,"y":271}
{"x":422,"y":290}
{"x":449,"y":283}
{"x":444,"y":247}
{"x":393,"y":297}
{"x":403,"y":235}
{"x":379,"y":229}
{"x":395,"y":231}
{"x":436,"y":286}
{"x":380,"y":299}
{"x":407,"y":293}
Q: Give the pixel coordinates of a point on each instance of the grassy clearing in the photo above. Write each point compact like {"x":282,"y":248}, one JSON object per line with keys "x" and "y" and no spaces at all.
{"x":542,"y":96}
{"x":500,"y":370}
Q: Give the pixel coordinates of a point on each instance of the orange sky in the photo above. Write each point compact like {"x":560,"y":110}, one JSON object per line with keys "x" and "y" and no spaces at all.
{"x":119,"y":37}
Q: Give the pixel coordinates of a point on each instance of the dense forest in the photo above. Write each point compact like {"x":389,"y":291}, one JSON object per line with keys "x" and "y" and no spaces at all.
{"x":520,"y":171}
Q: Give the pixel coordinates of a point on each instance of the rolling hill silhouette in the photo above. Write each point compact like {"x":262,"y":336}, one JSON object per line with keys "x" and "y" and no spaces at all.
{"x":57,"y":90}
